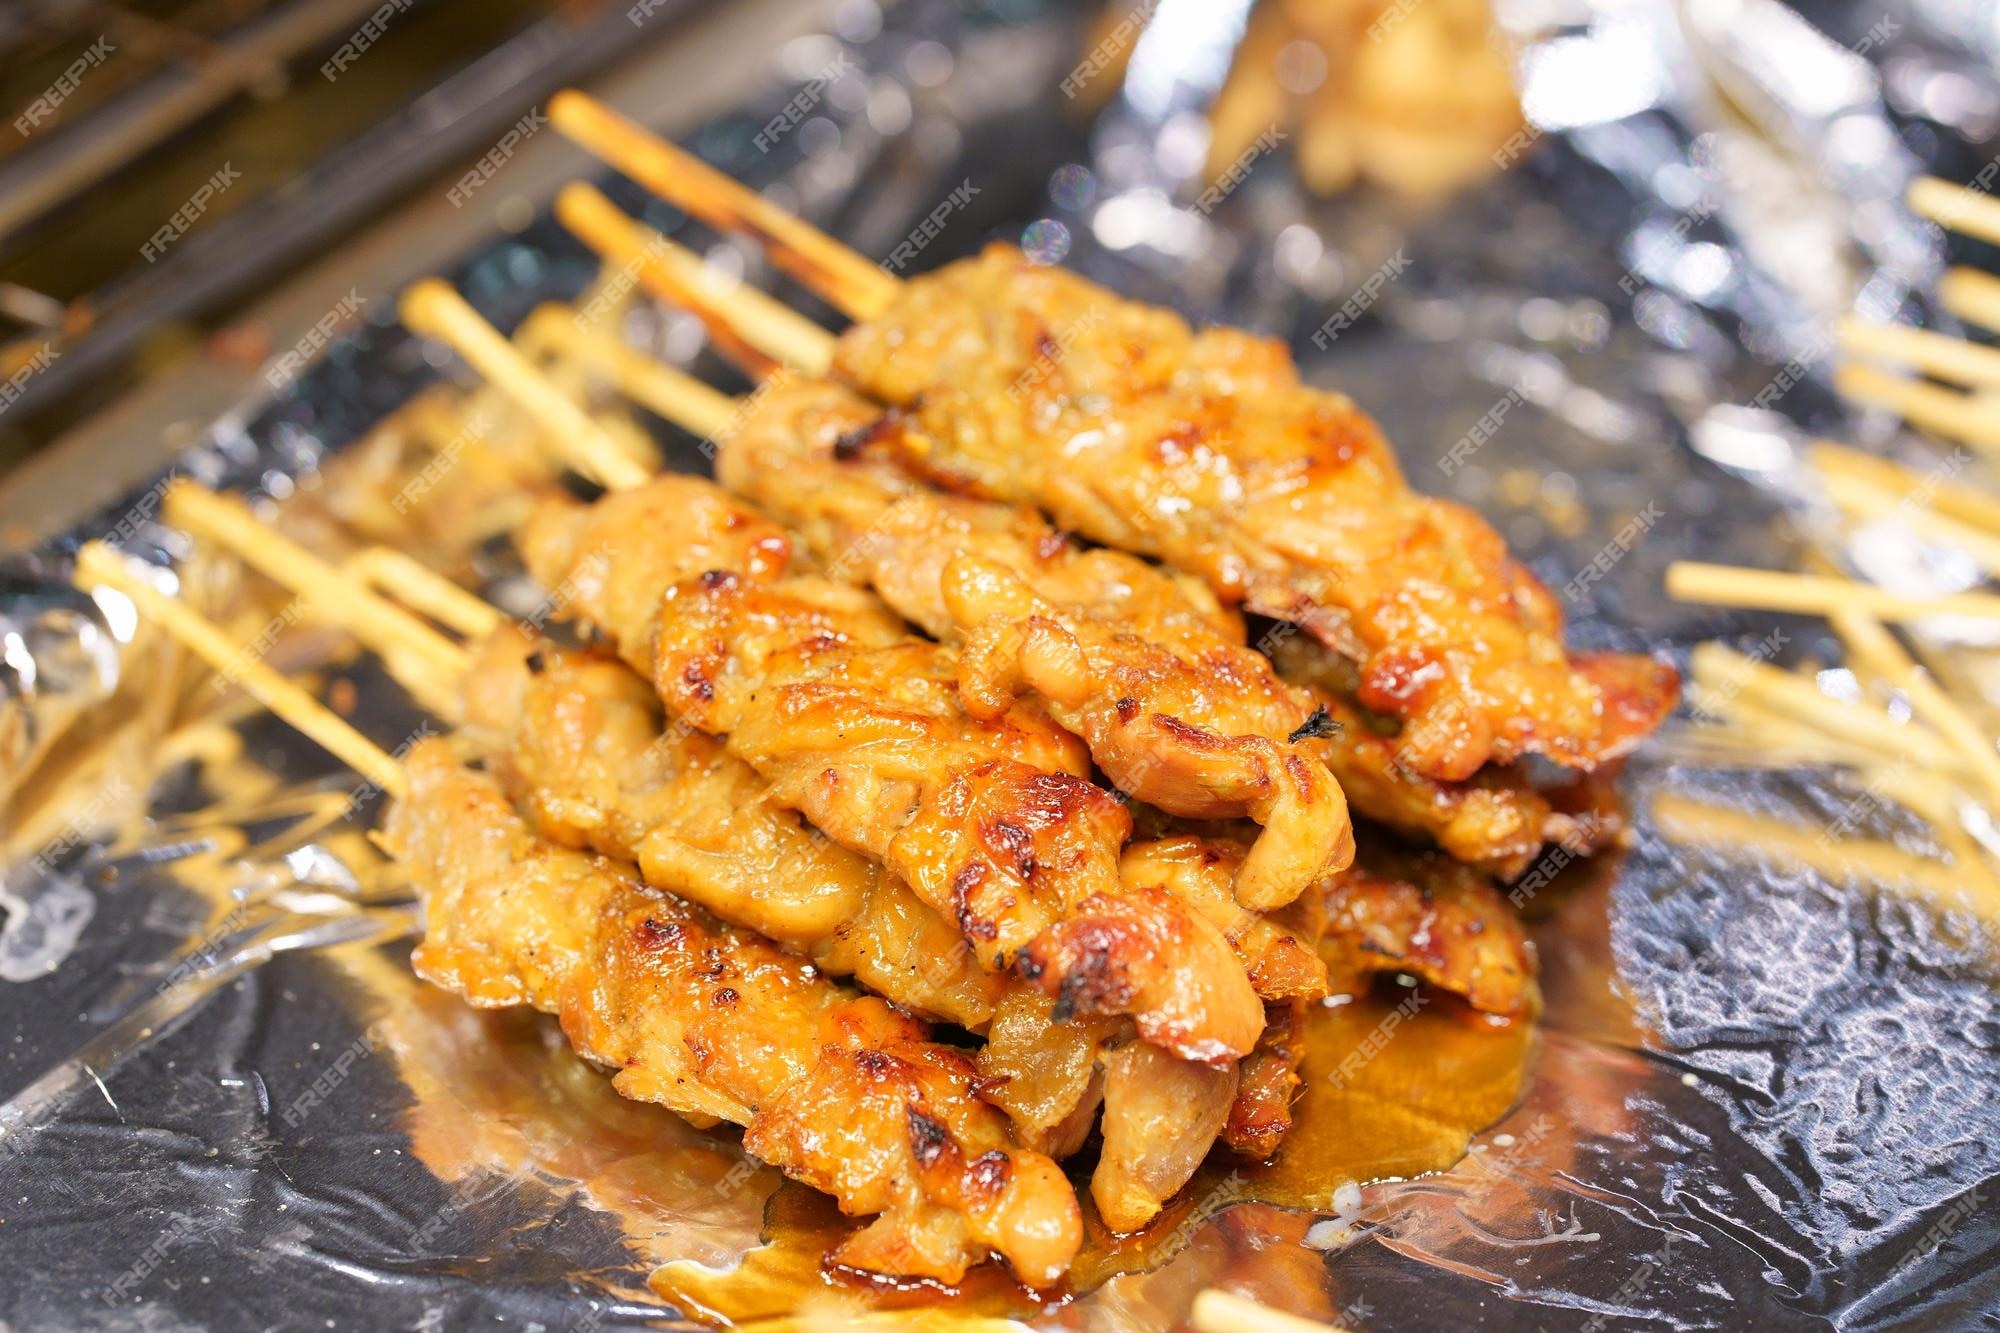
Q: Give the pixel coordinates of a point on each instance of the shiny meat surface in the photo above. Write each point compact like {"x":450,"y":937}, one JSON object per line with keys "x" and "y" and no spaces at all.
{"x":1044,"y":1074}
{"x":1028,"y":383}
{"x":1494,"y":820}
{"x":836,"y":1089}
{"x":820,"y":466}
{"x":608,"y":561}
{"x":859,"y":726}
{"x":1422,"y":913}
{"x":1268,"y":1080}
{"x":991,"y":821}
{"x":1160,"y":1116}
{"x":575,"y":738}
{"x":1175,"y":709}
{"x":1197,"y":869}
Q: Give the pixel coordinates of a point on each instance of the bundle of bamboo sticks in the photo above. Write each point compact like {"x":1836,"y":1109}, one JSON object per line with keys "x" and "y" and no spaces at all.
{"x":1908,"y":729}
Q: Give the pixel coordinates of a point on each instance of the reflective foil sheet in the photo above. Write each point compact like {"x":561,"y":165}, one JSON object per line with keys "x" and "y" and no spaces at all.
{"x":1764,"y":1089}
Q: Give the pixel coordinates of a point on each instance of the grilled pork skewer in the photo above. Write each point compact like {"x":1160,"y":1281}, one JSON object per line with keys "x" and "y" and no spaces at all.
{"x":1119,"y":938}
{"x":902,"y":547}
{"x":1175,"y":710}
{"x":1259,"y":1112}
{"x":1171,"y":711}
{"x":573,"y":740}
{"x":834,"y":1088}
{"x":1205,"y":450}
{"x":649,"y":553}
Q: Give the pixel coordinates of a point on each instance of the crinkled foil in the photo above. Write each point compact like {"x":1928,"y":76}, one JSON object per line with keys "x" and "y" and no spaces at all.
{"x":1765,"y":1095}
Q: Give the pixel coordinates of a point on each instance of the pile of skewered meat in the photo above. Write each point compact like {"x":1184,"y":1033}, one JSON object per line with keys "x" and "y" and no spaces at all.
{"x":914,"y":798}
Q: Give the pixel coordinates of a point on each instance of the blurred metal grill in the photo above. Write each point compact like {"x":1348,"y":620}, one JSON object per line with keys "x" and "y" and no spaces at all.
{"x":117,"y":112}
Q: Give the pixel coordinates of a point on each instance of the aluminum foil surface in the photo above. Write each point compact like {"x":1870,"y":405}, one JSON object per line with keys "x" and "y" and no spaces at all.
{"x":1765,"y":1094}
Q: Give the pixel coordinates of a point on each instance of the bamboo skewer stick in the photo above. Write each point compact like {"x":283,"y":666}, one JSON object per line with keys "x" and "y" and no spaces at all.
{"x":1813,"y":594}
{"x":1935,"y":491}
{"x":737,"y":317}
{"x":858,"y":287}
{"x":1218,"y":1311}
{"x":201,"y":511}
{"x":1746,"y":736}
{"x":427,"y":662}
{"x":431,"y":307}
{"x":98,"y":565}
{"x":1685,"y":820}
{"x":1968,"y":212}
{"x":436,"y":676}
{"x":1942,"y":411}
{"x":1868,"y":639}
{"x":440,"y":678}
{"x":1871,"y":503}
{"x":687,"y":401}
{"x":1934,"y":353}
{"x":1793,"y":696}
{"x":1934,"y":799}
{"x":1755,"y":723}
{"x":632,"y":372}
{"x":1972,"y":296}
{"x":416,"y":585}
{"x":671,"y":272}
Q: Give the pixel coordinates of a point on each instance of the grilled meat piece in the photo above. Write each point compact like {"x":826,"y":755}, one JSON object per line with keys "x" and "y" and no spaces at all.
{"x":1044,"y":1073}
{"x":575,"y":739}
{"x":1160,"y":1116}
{"x":991,"y":821}
{"x":1028,"y":383}
{"x":859,"y":726}
{"x":1197,"y":869}
{"x":1422,"y":913}
{"x":1175,"y":709}
{"x":1161,"y":1113}
{"x":1394,"y":911}
{"x":1285,"y":966}
{"x":1493,"y":821}
{"x":834,"y":1088}
{"x":1268,"y":1080}
{"x":611,"y":559}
